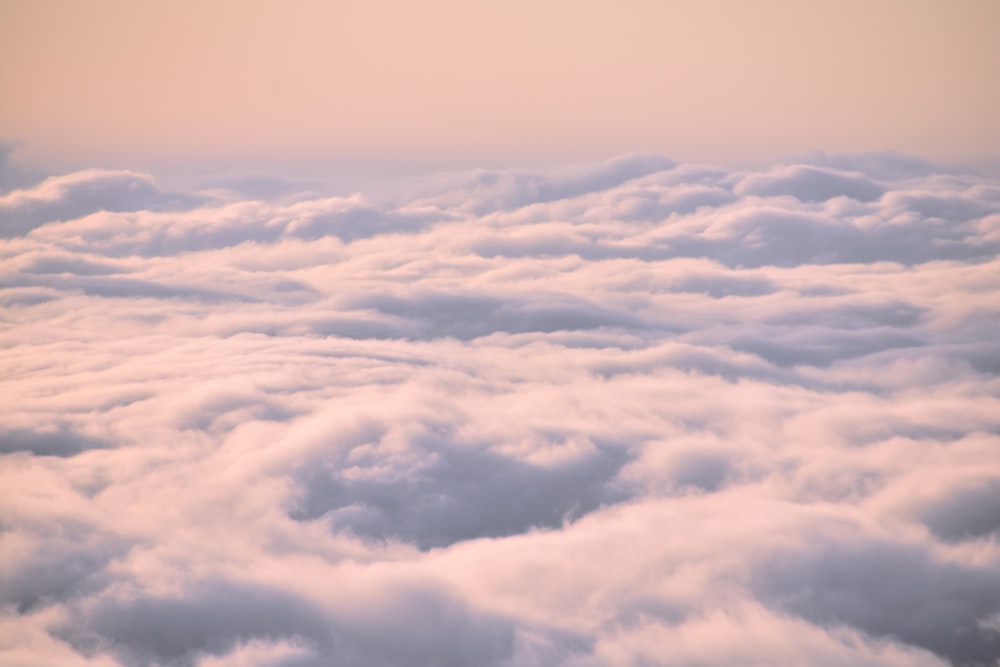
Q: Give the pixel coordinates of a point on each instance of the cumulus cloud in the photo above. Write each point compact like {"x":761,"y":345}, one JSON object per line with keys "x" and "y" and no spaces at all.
{"x":635,"y":412}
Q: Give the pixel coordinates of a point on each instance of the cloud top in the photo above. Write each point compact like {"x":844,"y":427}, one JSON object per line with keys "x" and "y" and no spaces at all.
{"x":635,"y":412}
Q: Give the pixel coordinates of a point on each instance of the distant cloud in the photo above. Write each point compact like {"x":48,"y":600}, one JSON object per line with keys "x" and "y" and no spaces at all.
{"x":636,"y":412}
{"x":484,"y":191}
{"x":63,"y":198}
{"x":810,"y":184}
{"x":12,"y":176}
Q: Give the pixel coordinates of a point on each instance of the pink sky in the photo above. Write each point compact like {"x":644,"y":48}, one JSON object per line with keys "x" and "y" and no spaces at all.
{"x":465,"y":83}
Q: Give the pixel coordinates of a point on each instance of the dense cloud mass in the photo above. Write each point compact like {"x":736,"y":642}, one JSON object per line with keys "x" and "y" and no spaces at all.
{"x":631,"y":413}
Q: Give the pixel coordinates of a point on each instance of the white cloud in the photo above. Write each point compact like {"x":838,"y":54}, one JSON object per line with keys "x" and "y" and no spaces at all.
{"x":628,"y":413}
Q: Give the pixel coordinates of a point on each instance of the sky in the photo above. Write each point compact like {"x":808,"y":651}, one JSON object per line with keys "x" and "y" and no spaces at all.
{"x":448,"y":83}
{"x":480,"y":334}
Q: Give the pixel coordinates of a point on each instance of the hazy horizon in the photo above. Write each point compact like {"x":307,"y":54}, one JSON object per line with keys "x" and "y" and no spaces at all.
{"x":450,"y":84}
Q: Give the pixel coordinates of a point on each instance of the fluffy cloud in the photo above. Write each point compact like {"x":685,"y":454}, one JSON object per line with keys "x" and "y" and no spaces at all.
{"x":62,"y":198}
{"x":637,"y":412}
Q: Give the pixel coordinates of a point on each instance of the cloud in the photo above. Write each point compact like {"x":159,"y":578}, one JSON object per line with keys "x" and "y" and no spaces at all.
{"x":883,"y":166}
{"x":452,"y":491}
{"x":968,"y":511}
{"x":810,"y":184}
{"x":484,"y":191}
{"x":212,"y":620}
{"x":873,"y":587}
{"x":12,"y":176}
{"x":635,"y":412}
{"x":62,"y":198}
{"x":50,"y":442}
{"x":468,"y":316}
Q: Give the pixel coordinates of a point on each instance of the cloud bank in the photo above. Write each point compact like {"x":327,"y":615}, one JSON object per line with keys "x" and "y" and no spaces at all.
{"x":630,"y":413}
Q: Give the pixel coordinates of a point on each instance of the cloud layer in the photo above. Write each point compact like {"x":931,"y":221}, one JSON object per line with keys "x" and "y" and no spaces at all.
{"x":630,"y":413}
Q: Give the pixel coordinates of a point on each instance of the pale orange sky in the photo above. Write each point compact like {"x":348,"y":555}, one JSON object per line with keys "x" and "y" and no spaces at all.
{"x":447,"y":82}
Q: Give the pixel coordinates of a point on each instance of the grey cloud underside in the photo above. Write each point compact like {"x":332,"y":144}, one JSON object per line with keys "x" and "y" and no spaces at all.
{"x":629,"y":413}
{"x":48,"y":442}
{"x":458,"y":491}
{"x":875,"y":586}
{"x":212,"y":618}
{"x":970,"y":512}
{"x":467,"y":316}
